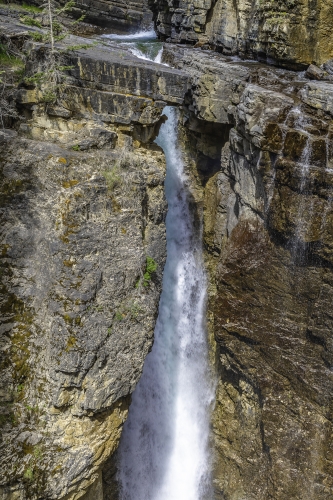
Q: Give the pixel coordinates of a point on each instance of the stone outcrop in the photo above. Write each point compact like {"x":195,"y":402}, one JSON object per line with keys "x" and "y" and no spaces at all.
{"x":76,"y":321}
{"x":82,"y":207}
{"x":116,"y":14}
{"x":287,"y":33}
{"x":268,"y":237}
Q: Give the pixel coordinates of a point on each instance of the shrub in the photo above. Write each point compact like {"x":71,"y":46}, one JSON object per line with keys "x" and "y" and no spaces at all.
{"x":29,"y":474}
{"x":30,"y":21}
{"x":151,"y":267}
{"x":112,"y":178}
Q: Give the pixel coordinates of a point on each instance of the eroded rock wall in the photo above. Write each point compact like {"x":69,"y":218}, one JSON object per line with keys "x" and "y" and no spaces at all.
{"x":123,"y":16}
{"x":288,"y":33}
{"x":268,"y":239}
{"x":78,"y":323}
{"x":82,"y":207}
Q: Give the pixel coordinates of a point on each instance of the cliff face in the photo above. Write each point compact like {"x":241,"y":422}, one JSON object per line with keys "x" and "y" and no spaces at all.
{"x":82,"y":208}
{"x":116,"y":14}
{"x":289,"y":33}
{"x":268,"y":239}
{"x":77,"y":228}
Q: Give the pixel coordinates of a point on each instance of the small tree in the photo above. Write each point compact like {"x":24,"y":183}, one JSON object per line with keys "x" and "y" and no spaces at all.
{"x":50,"y":77}
{"x":7,"y":105}
{"x":9,"y":57}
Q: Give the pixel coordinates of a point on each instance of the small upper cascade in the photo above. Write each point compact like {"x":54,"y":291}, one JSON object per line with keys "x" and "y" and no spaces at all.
{"x":143,"y":44}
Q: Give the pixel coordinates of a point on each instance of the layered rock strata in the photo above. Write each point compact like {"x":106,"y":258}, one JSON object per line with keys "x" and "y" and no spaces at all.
{"x":287,"y":33}
{"x":121,"y":15}
{"x":82,"y":207}
{"x":268,"y":238}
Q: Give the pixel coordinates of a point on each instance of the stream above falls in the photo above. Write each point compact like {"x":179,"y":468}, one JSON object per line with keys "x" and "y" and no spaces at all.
{"x":144,"y":44}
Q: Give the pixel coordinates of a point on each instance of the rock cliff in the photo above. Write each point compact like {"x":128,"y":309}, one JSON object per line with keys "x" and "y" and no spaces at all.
{"x":82,"y":208}
{"x":116,"y":14}
{"x":82,"y":212}
{"x":290,"y":33}
{"x":267,"y":207}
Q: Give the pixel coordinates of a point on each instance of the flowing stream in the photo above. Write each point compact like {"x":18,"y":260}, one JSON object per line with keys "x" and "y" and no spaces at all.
{"x":143,"y":45}
{"x":163,"y":453}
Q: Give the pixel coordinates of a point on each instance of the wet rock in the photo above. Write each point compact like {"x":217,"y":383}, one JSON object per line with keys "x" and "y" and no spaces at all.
{"x":315,"y":73}
{"x":268,"y":237}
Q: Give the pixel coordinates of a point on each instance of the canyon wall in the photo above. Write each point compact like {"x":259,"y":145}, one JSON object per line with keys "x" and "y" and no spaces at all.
{"x":290,"y":33}
{"x":267,"y":207}
{"x":82,"y":207}
{"x":119,"y":14}
{"x":82,"y":212}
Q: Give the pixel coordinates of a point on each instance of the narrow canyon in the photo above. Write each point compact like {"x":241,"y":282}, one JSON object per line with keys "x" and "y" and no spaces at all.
{"x":166,"y":214}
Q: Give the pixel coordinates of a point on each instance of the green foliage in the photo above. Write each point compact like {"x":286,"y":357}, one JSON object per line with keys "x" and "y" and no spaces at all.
{"x":76,"y":147}
{"x":37,"y":37}
{"x":31,"y":8}
{"x":21,"y":7}
{"x":37,"y":453}
{"x":112,"y":177}
{"x":80,"y":46}
{"x":151,"y":267}
{"x":119,"y":316}
{"x":36,"y":79}
{"x":49,"y":96}
{"x":57,"y":27}
{"x":65,"y":68}
{"x":67,"y":7}
{"x":7,"y":59}
{"x":30,"y":21}
{"x":28,"y":474}
{"x":128,"y":311}
{"x":79,"y":20}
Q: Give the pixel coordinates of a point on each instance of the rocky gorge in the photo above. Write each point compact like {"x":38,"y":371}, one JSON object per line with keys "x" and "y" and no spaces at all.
{"x":83,"y":217}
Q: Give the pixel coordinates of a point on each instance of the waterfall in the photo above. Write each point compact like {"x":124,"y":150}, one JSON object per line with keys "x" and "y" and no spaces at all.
{"x":163,"y":453}
{"x":143,"y":45}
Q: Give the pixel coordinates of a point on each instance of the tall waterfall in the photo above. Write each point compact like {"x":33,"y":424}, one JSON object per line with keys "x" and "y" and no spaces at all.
{"x":163,"y":452}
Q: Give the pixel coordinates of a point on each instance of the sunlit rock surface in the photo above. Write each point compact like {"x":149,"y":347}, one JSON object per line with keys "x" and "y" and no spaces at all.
{"x":82,"y":206}
{"x":288,"y":33}
{"x":268,"y":235}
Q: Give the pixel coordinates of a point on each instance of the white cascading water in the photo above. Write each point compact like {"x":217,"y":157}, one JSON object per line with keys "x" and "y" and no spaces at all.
{"x":163,"y":453}
{"x":142,"y":44}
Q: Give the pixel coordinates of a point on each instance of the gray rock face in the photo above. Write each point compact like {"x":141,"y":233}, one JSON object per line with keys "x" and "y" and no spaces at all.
{"x":117,"y":14}
{"x":82,"y":207}
{"x":268,"y":240}
{"x":318,"y":95}
{"x":287,"y":33}
{"x":77,"y":321}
